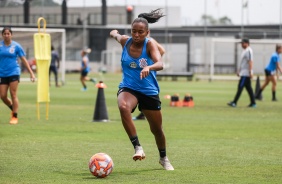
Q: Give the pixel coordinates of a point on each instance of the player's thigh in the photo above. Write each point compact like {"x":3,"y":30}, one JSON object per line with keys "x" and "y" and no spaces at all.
{"x":14,"y":88}
{"x":127,"y":100}
{"x":4,"y":90}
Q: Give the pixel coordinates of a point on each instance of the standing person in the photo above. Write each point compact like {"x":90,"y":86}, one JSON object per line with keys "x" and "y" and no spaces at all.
{"x":140,"y":60}
{"x":246,"y":73}
{"x":53,"y":68}
{"x":10,"y":71}
{"x":270,"y":70}
{"x":85,"y":68}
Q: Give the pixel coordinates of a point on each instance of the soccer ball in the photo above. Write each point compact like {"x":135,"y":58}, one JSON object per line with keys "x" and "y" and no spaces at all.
{"x":101,"y":165}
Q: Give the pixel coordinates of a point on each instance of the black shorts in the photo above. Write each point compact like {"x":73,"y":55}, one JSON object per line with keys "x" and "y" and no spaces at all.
{"x":8,"y":80}
{"x":84,"y":73}
{"x":144,"y":101}
{"x":268,"y":73}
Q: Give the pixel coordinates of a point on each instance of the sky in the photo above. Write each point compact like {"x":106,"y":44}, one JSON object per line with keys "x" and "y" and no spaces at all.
{"x":257,"y":11}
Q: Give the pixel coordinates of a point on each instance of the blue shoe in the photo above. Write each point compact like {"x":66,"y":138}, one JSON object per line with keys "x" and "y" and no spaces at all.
{"x":231,"y":104}
{"x":83,"y":89}
{"x":252,"y":105}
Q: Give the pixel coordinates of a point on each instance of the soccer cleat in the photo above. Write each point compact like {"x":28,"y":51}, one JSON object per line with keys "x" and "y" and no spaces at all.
{"x":83,"y":89}
{"x":274,"y":100}
{"x":166,"y":164}
{"x":231,"y":104}
{"x":252,"y":105}
{"x":258,"y":97}
{"x":139,"y":153}
{"x":14,"y":121}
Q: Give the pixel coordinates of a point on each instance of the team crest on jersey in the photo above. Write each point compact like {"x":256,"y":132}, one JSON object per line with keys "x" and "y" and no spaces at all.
{"x":12,"y":50}
{"x":133,"y":65}
{"x":143,"y":62}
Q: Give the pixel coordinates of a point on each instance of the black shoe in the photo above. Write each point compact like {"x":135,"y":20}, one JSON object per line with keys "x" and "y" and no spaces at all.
{"x":141,"y":116}
{"x":252,"y":105}
{"x":274,"y":100}
{"x":258,"y":97}
{"x":231,"y":104}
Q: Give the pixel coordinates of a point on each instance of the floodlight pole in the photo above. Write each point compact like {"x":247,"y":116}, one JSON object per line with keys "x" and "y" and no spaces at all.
{"x":166,"y":32}
{"x":242,"y":19}
{"x":84,"y":26}
{"x":280,"y":19}
{"x":205,"y":37}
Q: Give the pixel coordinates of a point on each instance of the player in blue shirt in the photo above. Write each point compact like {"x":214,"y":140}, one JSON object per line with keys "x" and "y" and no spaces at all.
{"x":141,"y":116}
{"x":53,"y":67}
{"x":140,"y":60}
{"x":85,"y":69}
{"x":10,"y":71}
{"x":270,"y":71}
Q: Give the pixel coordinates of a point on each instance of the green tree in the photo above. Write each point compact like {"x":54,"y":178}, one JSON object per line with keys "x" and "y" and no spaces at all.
{"x":210,"y":20}
{"x":44,"y":3}
{"x":225,"y":20}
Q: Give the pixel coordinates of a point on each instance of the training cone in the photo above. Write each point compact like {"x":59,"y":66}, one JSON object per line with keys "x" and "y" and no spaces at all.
{"x":188,"y":101}
{"x":257,"y":89}
{"x":100,"y":112}
{"x":174,"y":101}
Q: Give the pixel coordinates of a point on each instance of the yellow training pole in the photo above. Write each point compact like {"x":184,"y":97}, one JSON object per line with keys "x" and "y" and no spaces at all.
{"x":42,"y":53}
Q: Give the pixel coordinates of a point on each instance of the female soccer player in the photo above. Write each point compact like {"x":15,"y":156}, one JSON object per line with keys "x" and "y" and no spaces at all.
{"x":141,"y":115}
{"x":270,"y":71}
{"x":10,"y":71}
{"x":140,"y":60}
{"x":85,"y":69}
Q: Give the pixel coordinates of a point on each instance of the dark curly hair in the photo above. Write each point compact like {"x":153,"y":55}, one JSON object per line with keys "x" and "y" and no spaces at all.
{"x":151,"y":17}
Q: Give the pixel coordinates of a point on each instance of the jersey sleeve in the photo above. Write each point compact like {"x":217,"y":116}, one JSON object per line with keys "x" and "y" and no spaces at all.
{"x":250,"y":55}
{"x":20,"y":51}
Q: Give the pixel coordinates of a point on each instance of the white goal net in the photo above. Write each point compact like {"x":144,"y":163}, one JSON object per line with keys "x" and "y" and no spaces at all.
{"x":225,"y":55}
{"x":24,"y":36}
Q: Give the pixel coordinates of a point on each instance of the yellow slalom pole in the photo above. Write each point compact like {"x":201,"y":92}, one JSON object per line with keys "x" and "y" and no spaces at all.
{"x":42,"y":53}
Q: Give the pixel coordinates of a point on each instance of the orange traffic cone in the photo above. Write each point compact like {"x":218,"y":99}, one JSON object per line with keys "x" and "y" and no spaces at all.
{"x":100,"y":113}
{"x":188,"y":101}
{"x":174,"y":101}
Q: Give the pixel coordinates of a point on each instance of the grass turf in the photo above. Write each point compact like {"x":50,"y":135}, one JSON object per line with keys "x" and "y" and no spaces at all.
{"x":210,"y":143}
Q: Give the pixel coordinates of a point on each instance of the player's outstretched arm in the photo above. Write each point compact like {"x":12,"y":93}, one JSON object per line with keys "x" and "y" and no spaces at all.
{"x":119,"y":38}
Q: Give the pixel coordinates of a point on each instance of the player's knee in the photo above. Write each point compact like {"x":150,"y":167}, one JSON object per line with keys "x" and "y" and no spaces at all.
{"x":123,"y":107}
{"x":3,"y":97}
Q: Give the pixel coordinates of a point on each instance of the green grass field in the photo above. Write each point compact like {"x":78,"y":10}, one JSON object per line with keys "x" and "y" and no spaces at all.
{"x":210,"y":143}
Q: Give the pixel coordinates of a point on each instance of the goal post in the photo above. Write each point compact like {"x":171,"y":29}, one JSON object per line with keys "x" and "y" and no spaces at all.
{"x":24,"y":36}
{"x":227,"y":51}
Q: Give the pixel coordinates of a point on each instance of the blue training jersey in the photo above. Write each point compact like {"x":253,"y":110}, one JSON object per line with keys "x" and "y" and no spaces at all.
{"x":131,"y":71}
{"x":273,"y":62}
{"x":54,"y":57}
{"x":87,"y":69}
{"x":8,"y":59}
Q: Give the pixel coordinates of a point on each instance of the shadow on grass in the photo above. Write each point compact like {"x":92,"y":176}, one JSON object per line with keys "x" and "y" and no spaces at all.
{"x":120,"y":173}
